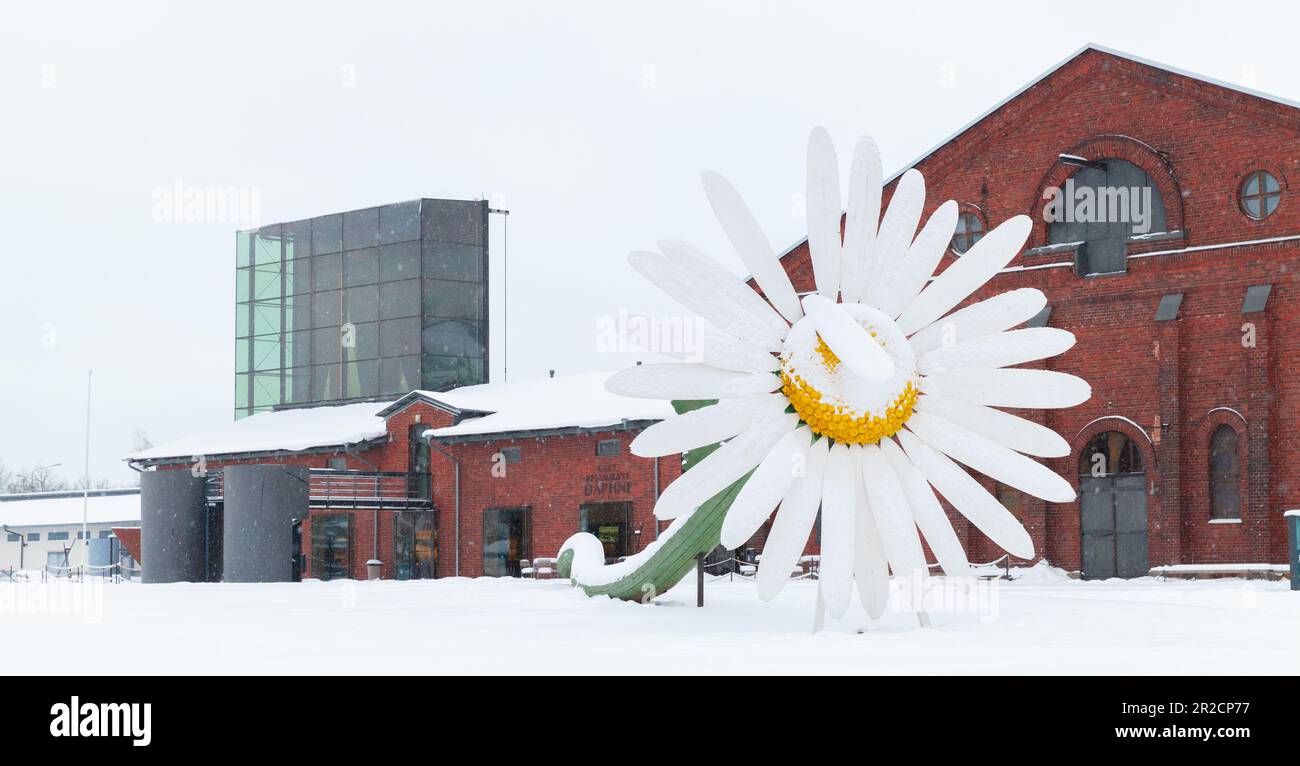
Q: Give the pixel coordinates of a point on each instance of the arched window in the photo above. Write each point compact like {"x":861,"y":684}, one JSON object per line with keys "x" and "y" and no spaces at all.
{"x":970,"y":229}
{"x":1108,"y":454}
{"x":1101,"y":207}
{"x":1225,"y":474}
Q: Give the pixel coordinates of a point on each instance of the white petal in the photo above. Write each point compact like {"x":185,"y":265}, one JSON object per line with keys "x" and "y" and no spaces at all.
{"x":726,"y":285}
{"x":897,"y":229}
{"x":968,"y":497}
{"x":837,"y":530}
{"x":991,"y":459}
{"x":1001,"y":312}
{"x":926,"y":511}
{"x":870,"y":563}
{"x":751,"y":244}
{"x":702,"y":298}
{"x":693,"y":340}
{"x":1001,"y":350}
{"x":850,"y":341}
{"x":899,"y":285}
{"x":684,"y":380}
{"x":723,"y":467}
{"x":1014,"y":387}
{"x":861,"y":219}
{"x":985,"y":258}
{"x":892,"y":514}
{"x":1004,"y":428}
{"x":793,"y":524}
{"x":707,"y":425}
{"x":765,"y":488}
{"x":823,"y":203}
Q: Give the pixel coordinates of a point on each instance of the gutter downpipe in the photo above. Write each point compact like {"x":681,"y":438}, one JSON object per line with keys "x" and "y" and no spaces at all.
{"x":456,"y":489}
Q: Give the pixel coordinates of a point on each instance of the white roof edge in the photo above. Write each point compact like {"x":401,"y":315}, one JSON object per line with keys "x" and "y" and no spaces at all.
{"x":1050,"y":71}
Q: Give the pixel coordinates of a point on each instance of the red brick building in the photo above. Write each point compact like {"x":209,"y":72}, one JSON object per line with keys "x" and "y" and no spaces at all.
{"x":468,"y":482}
{"x":1189,"y":332}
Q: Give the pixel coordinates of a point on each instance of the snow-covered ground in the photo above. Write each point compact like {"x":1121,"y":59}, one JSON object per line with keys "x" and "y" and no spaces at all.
{"x":1040,"y":623}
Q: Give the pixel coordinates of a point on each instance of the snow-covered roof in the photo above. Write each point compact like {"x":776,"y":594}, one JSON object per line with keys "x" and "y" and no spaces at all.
{"x":64,"y":509}
{"x":568,"y":401}
{"x":279,"y":431}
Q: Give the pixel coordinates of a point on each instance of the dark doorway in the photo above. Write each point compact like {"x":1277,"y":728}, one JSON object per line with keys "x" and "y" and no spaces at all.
{"x":296,"y":575}
{"x":507,"y":538}
{"x":331,"y":546}
{"x":1113,"y":508}
{"x":611,"y":523}
{"x":415,"y":545}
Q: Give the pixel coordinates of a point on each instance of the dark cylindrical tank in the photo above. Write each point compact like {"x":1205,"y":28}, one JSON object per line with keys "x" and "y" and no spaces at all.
{"x":262,"y":502}
{"x":172,"y":509}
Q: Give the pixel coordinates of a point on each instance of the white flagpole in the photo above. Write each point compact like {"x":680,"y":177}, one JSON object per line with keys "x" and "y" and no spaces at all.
{"x":85,"y":492}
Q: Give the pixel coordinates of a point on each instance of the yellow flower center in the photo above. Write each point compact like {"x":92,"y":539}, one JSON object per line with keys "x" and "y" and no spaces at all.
{"x":836,"y":421}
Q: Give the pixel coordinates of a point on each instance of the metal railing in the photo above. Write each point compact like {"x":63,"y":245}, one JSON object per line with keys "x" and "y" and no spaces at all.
{"x":328,"y":488}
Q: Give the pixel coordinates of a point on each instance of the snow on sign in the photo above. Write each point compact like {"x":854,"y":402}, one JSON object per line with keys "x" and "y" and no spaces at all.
{"x":864,"y":398}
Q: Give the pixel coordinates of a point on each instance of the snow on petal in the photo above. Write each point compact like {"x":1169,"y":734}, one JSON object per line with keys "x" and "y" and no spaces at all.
{"x":893,"y":516}
{"x":1004,"y":428}
{"x":701,"y":266}
{"x":707,"y":425}
{"x":793,"y":523}
{"x":684,"y":380}
{"x":690,"y":339}
{"x":861,"y":219}
{"x":1001,"y":350}
{"x":751,"y":244}
{"x":992,"y":315}
{"x":990,"y":458}
{"x":898,"y":286}
{"x":838,"y":501}
{"x":699,"y":297}
{"x":1012,"y":387}
{"x":897,"y":229}
{"x":761,"y":493}
{"x":723,"y":467}
{"x":823,"y":203}
{"x":870,"y":563}
{"x":850,"y":341}
{"x":927,"y":513}
{"x":968,"y":497}
{"x":957,"y":282}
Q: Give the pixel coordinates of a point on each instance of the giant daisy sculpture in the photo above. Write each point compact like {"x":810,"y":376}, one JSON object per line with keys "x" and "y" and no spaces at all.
{"x":863,"y":398}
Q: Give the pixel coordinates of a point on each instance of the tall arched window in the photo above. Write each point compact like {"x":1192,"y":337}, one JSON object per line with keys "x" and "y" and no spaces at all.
{"x":1108,"y":454}
{"x":1101,"y":207}
{"x":1225,"y":474}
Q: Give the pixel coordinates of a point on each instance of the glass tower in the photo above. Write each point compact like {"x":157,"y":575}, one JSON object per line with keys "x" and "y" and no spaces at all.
{"x":359,"y":305}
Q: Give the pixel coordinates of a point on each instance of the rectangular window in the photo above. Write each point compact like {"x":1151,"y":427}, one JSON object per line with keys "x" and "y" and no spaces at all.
{"x":331,"y":546}
{"x":507,"y":539}
{"x":33,"y":537}
{"x":611,"y":523}
{"x":399,"y":222}
{"x":14,"y":537}
{"x":104,"y":534}
{"x":512,"y":454}
{"x":57,"y":536}
{"x":608,"y":447}
{"x":415,"y":545}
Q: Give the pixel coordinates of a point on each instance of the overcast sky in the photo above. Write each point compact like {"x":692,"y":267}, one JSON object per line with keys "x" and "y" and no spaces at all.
{"x":590,"y":122}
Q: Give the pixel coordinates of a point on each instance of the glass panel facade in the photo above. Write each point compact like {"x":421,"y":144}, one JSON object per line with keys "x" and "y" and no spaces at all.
{"x":362,"y":304}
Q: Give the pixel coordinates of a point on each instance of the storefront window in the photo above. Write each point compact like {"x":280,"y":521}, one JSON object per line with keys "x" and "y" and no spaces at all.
{"x":415,"y":549}
{"x":506,"y":540}
{"x":331,"y":546}
{"x":611,"y":523}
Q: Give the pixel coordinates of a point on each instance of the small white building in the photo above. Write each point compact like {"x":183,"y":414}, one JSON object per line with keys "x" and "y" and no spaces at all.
{"x":43,"y":529}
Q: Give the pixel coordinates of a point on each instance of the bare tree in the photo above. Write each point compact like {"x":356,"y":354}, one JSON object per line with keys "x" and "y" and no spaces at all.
{"x":140,"y":440}
{"x":6,"y":479}
{"x":39,"y":479}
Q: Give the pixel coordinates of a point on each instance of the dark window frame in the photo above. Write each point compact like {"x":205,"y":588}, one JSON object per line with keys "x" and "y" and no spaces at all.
{"x":1224,"y":479}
